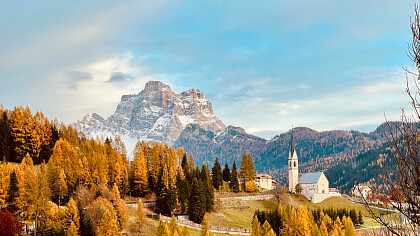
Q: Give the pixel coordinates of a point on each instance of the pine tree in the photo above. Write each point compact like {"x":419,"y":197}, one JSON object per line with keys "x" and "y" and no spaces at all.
{"x":6,"y":139}
{"x":323,"y":229}
{"x":247,"y":167}
{"x":349,"y":228}
{"x":197,"y":202}
{"x":27,"y":183}
{"x":139,"y":171}
{"x":185,"y":166}
{"x":173,"y":226}
{"x":141,"y":215}
{"x":72,"y":214}
{"x":256,"y":228}
{"x":183,"y":191}
{"x":5,"y":171}
{"x":60,"y":187}
{"x":72,"y":230}
{"x":85,"y":222}
{"x":161,"y":228}
{"x":208,"y":187}
{"x":217,"y":174}
{"x":360,"y":218}
{"x":108,"y":226}
{"x":191,"y":163}
{"x":266,"y":228}
{"x":234,"y":183}
{"x":13,"y":191}
{"x":226,"y":173}
{"x":42,"y":195}
{"x":165,"y":192}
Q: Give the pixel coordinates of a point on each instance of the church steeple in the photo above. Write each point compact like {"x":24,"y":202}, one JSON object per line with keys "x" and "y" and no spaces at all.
{"x":293,"y":165}
{"x":292,"y":144}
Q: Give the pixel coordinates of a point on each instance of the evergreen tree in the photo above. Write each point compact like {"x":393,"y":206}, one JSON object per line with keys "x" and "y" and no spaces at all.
{"x":165,"y":193}
{"x":185,"y":167}
{"x":141,"y":215}
{"x":217,"y":174}
{"x":86,"y":226}
{"x":5,"y":171}
{"x":247,"y":167}
{"x":226,"y":173}
{"x":139,"y":171}
{"x":360,"y":218}
{"x":13,"y":191}
{"x":60,"y":187}
{"x":183,"y":191}
{"x":197,"y":202}
{"x":161,"y":228}
{"x":6,"y":138}
{"x":256,"y":228}
{"x":173,"y":226}
{"x":349,"y":228}
{"x":191,"y":163}
{"x":234,"y":183}
{"x":109,"y":225}
{"x":208,"y":187}
{"x":72,"y":214}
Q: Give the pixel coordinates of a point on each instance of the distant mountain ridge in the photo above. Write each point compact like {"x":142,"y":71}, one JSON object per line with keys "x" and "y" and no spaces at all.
{"x":187,"y":120}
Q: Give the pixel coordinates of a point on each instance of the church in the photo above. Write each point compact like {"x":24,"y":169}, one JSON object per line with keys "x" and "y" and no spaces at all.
{"x":315,"y":186}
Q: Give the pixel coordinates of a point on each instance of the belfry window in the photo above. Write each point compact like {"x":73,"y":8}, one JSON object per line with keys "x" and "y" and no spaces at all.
{"x":290,"y":163}
{"x":294,"y":164}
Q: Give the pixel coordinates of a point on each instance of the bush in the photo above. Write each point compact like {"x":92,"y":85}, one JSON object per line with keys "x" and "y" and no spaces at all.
{"x":250,"y":186}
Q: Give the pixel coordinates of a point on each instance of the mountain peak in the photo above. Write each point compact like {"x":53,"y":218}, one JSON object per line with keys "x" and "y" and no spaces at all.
{"x":156,"y":113}
{"x":156,"y":86}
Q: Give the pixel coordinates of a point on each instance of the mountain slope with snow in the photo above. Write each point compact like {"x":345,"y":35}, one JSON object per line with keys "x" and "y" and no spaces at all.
{"x":155,"y":114}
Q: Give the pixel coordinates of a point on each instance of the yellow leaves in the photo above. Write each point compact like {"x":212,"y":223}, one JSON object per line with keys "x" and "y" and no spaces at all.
{"x":29,"y":132}
{"x":72,"y":214}
{"x":5,"y":171}
{"x":140,"y":213}
{"x":139,"y":170}
{"x":250,"y":186}
{"x":109,"y":225}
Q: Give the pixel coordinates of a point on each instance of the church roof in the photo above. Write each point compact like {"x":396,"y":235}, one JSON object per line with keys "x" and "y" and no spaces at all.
{"x":310,"y":178}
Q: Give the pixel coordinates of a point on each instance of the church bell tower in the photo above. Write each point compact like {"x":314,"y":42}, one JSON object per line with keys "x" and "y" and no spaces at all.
{"x":293,"y":166}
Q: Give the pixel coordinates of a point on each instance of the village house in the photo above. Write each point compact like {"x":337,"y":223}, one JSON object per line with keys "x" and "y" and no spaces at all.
{"x":361,"y":191}
{"x":265,"y":181}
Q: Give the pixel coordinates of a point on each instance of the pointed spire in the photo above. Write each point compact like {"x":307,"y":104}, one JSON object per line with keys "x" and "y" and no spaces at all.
{"x":292,"y":144}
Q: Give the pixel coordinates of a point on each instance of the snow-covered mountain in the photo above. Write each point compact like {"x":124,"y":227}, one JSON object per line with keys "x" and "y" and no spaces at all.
{"x":156,"y":113}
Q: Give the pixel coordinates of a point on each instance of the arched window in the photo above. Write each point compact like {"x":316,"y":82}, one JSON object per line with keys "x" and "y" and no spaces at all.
{"x":290,"y":164}
{"x":294,"y":163}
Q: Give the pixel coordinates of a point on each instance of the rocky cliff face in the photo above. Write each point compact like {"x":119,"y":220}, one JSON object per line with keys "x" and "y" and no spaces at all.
{"x":156,"y":113}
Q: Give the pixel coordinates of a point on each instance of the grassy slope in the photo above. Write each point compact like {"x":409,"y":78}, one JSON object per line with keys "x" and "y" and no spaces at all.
{"x":239,"y":218}
{"x":243,"y":218}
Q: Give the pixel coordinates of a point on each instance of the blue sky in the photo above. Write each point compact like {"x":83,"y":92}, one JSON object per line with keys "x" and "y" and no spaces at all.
{"x":265,"y":65}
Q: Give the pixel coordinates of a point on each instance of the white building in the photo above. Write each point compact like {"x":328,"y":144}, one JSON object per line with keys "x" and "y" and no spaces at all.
{"x":315,"y":186}
{"x":265,"y":181}
{"x":361,"y":191}
{"x":293,"y":166}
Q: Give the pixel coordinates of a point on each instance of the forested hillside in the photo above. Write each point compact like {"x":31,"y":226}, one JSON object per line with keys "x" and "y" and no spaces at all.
{"x":371,"y":167}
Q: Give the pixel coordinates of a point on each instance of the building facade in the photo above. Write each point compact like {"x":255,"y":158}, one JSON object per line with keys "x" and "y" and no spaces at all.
{"x":265,"y":181}
{"x":315,"y":186}
{"x":293,"y":168}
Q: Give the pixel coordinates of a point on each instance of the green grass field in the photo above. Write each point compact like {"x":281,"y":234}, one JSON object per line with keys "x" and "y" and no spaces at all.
{"x":242,"y":218}
{"x":239,"y":218}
